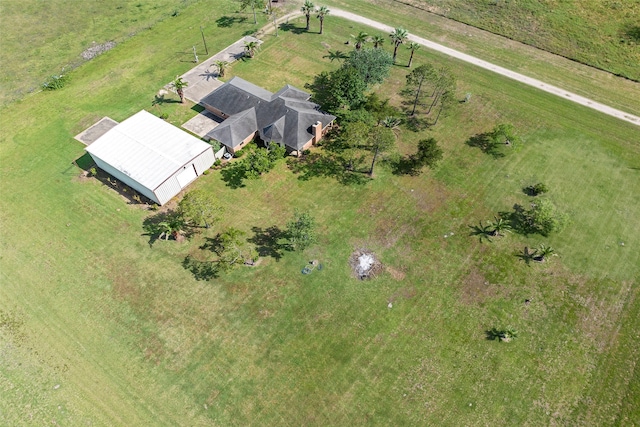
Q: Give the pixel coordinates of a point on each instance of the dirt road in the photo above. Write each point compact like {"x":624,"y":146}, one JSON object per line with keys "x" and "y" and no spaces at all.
{"x":495,"y":68}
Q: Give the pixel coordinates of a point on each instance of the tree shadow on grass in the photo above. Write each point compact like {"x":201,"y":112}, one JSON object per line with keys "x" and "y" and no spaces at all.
{"x":234,"y":174}
{"x":292,"y":28}
{"x":267,"y":241}
{"x":228,"y":21}
{"x":416,"y":124}
{"x":160,"y":100}
{"x":527,"y":256}
{"x":631,"y":32}
{"x":483,"y":232}
{"x":325,"y":165}
{"x":486,"y":144}
{"x":152,"y":227}
{"x":404,"y":165}
{"x":201,"y":270}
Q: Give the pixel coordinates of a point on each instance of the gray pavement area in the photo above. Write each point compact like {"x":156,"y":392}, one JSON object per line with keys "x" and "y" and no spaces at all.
{"x":88,"y":136}
{"x":202,"y":123}
{"x":203,"y":78}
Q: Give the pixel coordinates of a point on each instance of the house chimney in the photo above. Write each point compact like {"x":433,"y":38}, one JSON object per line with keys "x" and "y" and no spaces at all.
{"x":317,"y":132}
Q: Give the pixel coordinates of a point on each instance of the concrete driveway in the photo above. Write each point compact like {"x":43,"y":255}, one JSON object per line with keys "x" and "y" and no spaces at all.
{"x":203,"y":78}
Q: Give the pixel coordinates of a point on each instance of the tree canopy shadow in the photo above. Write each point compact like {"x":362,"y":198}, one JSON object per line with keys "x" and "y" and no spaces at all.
{"x":484,"y":232}
{"x":234,"y":174}
{"x":160,"y":100}
{"x":519,"y":220}
{"x":493,"y":334}
{"x":404,"y":165}
{"x":201,"y":270}
{"x":267,"y":241}
{"x":631,"y":32}
{"x":325,"y":165}
{"x":527,"y":256}
{"x":292,"y":28}
{"x":152,"y":225}
{"x":486,"y":144}
{"x":416,"y":124}
{"x":227,"y":21}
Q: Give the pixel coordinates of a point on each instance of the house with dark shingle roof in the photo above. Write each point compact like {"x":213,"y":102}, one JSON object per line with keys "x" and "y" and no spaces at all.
{"x":286,"y":117}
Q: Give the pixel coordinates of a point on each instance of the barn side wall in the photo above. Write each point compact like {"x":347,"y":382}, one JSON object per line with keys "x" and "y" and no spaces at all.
{"x":125,"y":179}
{"x":168,"y":189}
{"x":204,"y":161}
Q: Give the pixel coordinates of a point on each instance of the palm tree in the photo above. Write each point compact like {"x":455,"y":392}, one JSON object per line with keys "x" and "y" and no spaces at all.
{"x":499,"y":226}
{"x":361,"y":39}
{"x":413,"y":46}
{"x":178,"y":84}
{"x":392,"y":123}
{"x":336,"y":54}
{"x":398,"y":37}
{"x":543,"y":252}
{"x":307,"y":8}
{"x":322,"y":13}
{"x":250,"y":48}
{"x":377,"y":41}
{"x":172,"y":226}
{"x":222,"y":67}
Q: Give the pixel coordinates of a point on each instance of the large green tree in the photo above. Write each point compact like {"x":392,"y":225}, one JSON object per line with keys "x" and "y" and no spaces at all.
{"x":200,"y":208}
{"x":300,"y":231}
{"x":338,"y":89}
{"x":373,"y":65}
{"x":232,"y":250}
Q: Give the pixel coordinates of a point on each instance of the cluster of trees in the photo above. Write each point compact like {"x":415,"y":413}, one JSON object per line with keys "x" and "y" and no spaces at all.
{"x":256,"y":162}
{"x":345,"y":89}
{"x":430,"y":91}
{"x":231,"y":248}
{"x":199,"y":210}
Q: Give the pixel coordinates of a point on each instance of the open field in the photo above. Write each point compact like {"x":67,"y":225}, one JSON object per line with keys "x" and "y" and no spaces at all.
{"x":98,"y":327}
{"x":602,"y":34}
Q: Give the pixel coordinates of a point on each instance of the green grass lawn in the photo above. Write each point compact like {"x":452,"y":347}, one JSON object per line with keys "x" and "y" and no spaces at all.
{"x":98,"y":327}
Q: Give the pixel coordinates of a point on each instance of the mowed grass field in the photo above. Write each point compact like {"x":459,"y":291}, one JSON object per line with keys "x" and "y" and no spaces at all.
{"x":602,"y":34}
{"x":98,"y":327}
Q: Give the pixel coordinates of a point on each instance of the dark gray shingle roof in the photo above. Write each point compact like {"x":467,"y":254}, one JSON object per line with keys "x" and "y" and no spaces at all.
{"x":284,"y":117}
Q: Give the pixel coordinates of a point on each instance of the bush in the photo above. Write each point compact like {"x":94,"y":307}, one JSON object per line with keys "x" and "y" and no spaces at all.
{"x":205,"y":172}
{"x":164,"y":116}
{"x":56,"y":82}
{"x":93,"y":171}
{"x":218,"y":162}
{"x":535,"y":190}
{"x":543,"y":218}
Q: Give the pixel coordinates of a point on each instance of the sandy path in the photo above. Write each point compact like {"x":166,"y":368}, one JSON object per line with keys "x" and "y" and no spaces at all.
{"x":496,"y":69}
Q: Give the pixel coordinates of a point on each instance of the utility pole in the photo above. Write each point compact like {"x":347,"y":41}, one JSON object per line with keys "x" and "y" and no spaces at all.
{"x":206,"y":50}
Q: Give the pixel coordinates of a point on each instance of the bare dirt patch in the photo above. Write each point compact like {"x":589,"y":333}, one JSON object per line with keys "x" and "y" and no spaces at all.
{"x":475,"y":288}
{"x":395,"y":273}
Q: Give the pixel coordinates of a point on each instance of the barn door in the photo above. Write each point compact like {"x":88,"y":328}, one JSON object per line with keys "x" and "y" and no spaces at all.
{"x":186,"y":176}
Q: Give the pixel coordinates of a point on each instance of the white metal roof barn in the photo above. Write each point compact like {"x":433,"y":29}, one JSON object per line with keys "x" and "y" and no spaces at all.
{"x":151,"y":156}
